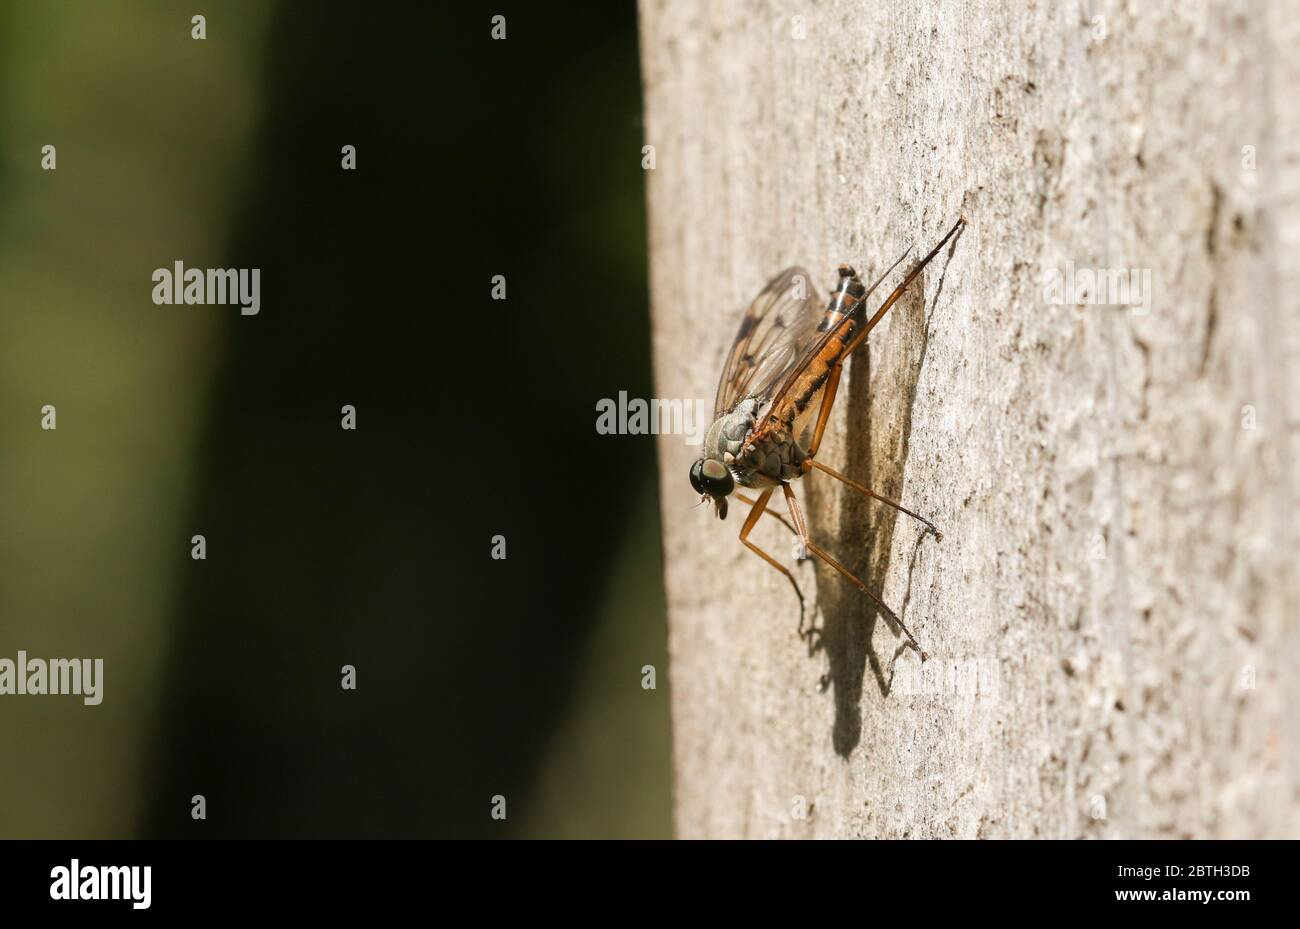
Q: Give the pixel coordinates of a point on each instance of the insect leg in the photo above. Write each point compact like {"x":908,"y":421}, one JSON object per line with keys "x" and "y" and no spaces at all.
{"x":861,"y":336}
{"x":888,"y":271}
{"x":824,"y":411}
{"x":766,"y":510}
{"x":810,"y":464}
{"x":824,"y":556}
{"x":833,"y":379}
{"x":759,"y":505}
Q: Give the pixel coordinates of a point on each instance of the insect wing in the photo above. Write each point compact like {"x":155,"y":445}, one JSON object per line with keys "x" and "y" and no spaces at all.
{"x":778,"y":329}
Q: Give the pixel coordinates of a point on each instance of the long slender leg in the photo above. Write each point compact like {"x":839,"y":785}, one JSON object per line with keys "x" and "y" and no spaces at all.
{"x":759,"y":505}
{"x":833,"y":379}
{"x":824,"y":411}
{"x":823,"y":416}
{"x":862,"y":489}
{"x":817,"y":550}
{"x":861,"y":336}
{"x":766,"y":510}
{"x":888,"y":271}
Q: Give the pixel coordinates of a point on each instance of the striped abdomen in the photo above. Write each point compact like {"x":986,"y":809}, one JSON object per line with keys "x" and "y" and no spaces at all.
{"x":843,"y":315}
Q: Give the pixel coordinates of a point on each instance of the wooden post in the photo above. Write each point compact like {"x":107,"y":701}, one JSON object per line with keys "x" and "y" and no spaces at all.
{"x":1112,"y":612}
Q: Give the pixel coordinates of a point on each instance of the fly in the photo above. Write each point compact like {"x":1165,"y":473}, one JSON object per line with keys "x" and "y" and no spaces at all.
{"x":783,"y":367}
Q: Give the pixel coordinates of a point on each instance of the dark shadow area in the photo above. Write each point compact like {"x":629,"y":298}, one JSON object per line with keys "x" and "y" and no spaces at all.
{"x":880,"y":404}
{"x":475,"y":418}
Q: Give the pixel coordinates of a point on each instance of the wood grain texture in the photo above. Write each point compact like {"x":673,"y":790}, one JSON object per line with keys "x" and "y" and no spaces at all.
{"x":1112,"y":612}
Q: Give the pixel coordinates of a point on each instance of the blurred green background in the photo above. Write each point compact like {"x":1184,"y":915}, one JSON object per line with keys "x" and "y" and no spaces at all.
{"x":370,"y":548}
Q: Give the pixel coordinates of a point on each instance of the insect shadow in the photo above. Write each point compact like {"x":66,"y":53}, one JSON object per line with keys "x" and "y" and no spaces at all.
{"x":879,"y":417}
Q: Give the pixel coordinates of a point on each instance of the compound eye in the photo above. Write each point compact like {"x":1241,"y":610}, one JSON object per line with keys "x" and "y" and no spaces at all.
{"x":715,"y":478}
{"x":697,"y":476}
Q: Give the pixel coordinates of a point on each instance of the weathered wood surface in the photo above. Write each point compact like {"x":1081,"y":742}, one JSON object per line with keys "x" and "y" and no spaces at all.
{"x":1112,"y":612}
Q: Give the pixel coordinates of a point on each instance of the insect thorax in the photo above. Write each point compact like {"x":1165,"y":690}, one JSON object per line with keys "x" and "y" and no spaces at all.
{"x":779,"y":457}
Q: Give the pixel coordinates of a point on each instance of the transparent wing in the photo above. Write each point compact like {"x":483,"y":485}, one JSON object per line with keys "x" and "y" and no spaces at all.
{"x":777,"y":330}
